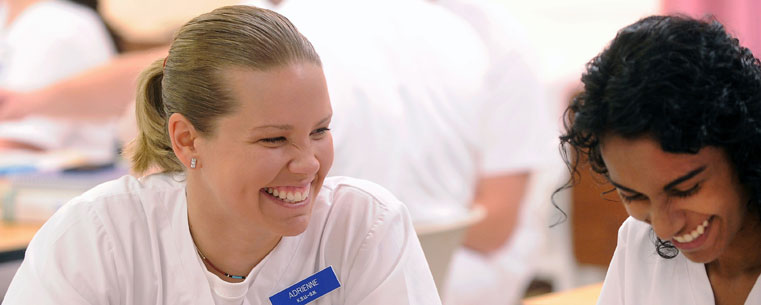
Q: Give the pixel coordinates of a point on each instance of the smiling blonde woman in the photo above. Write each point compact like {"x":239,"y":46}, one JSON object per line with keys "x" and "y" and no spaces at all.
{"x":236,"y":119}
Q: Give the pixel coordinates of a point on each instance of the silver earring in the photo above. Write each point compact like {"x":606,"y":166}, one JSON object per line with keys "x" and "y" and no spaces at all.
{"x":193,"y":163}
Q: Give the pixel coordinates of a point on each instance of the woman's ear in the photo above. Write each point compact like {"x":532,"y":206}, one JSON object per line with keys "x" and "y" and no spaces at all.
{"x":183,"y":136}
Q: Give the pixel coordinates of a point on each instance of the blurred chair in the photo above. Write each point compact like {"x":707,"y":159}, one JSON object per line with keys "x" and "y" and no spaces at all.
{"x":556,"y":263}
{"x":440,"y":239}
{"x":7,"y":271}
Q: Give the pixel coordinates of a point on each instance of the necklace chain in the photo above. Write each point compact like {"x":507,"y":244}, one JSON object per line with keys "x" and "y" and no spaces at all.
{"x":203,"y":257}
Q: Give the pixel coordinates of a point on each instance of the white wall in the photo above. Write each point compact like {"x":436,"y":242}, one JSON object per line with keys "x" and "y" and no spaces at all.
{"x":568,"y":33}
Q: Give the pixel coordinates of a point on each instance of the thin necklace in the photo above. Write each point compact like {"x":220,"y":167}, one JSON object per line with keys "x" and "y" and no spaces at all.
{"x":203,"y":257}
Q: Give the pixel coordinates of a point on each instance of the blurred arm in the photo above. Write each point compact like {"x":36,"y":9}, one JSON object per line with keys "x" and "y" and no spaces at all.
{"x":102,"y":91}
{"x":501,"y":196}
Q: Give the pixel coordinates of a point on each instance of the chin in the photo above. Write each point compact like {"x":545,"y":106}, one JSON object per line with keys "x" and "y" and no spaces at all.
{"x":704,"y":256}
{"x":699,"y":258}
{"x":295,"y":226}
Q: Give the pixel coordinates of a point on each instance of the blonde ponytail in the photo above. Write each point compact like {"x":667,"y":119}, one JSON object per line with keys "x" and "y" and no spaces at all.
{"x":152,"y":146}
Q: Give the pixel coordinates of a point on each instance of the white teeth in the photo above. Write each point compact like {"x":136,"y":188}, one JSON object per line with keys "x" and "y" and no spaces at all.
{"x":694,"y":234}
{"x":288,"y":196}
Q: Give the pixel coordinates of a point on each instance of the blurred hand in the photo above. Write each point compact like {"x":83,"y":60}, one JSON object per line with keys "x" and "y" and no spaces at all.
{"x":14,"y":145}
{"x":15,"y":105}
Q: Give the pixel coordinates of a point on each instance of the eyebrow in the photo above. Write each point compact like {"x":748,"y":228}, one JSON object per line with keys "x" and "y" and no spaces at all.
{"x":681,"y":179}
{"x":289,"y":127}
{"x":668,"y":186}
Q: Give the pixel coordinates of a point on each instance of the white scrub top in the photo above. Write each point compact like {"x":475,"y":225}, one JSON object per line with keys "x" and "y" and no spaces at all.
{"x":49,"y":41}
{"x":128,"y":242}
{"x":637,"y":275}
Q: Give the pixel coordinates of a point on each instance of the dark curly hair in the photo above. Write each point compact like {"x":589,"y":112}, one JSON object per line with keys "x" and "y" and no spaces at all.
{"x":684,"y":82}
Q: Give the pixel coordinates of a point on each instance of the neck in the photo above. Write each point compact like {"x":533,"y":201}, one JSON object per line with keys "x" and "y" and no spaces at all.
{"x":742,"y":257}
{"x":233,"y":246}
{"x":16,"y":7}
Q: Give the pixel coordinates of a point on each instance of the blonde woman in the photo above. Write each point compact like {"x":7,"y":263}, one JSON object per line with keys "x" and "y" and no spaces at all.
{"x":236,"y":119}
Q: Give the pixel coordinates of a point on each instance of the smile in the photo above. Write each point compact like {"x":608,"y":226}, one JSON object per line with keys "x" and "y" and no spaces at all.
{"x":694,"y":234}
{"x":288,"y":193}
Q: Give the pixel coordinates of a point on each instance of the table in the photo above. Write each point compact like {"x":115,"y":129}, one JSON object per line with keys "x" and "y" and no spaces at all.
{"x":586,"y":295}
{"x":14,"y":238}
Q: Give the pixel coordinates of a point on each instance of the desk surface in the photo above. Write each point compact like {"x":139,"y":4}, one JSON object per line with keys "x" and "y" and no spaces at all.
{"x":16,"y":236}
{"x":586,"y":295}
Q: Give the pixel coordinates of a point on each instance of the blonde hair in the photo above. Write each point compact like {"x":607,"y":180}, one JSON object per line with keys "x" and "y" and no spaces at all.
{"x":189,"y":81}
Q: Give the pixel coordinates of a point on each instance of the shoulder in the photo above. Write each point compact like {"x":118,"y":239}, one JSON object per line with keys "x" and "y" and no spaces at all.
{"x":116,"y":202}
{"x":636,"y":242}
{"x":636,"y":266}
{"x":637,"y":256}
{"x":354,"y":195}
{"x":355,"y":188}
{"x":369,"y":239}
{"x":98,"y":227}
{"x":634,"y":232}
{"x":360,"y":212}
{"x":103,"y":222}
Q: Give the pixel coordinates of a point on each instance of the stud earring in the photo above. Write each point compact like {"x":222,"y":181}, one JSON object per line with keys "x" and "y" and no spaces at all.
{"x":193,"y":163}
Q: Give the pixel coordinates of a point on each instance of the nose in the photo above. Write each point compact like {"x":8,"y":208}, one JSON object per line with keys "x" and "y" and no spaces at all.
{"x":666,"y":220}
{"x":304,"y":162}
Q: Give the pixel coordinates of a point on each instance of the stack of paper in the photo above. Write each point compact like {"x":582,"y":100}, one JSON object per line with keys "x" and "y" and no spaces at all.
{"x":35,"y":196}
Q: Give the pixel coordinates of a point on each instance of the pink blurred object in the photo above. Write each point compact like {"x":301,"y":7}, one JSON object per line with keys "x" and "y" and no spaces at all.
{"x":740,"y":17}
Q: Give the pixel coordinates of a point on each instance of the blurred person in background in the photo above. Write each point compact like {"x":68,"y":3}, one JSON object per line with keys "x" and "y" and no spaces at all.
{"x":670,"y":115}
{"x":516,"y":156}
{"x":445,"y":112}
{"x":43,"y":42}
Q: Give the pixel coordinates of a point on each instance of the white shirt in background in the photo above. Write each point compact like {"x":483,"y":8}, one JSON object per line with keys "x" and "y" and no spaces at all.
{"x":128,"y":242}
{"x":638,"y":275}
{"x":404,"y":78}
{"x":426,"y":103}
{"x":49,"y":41}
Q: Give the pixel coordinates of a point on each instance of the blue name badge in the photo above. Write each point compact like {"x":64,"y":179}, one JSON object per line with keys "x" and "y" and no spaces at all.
{"x":308,"y":289}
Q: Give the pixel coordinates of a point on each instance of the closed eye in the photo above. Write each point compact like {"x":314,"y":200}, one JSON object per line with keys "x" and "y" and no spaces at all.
{"x":320,"y":131}
{"x":273,"y":140}
{"x":687,"y":193}
{"x":633,"y":197}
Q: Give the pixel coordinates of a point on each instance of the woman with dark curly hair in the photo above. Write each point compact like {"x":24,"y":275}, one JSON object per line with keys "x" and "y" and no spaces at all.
{"x":671,"y":116}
